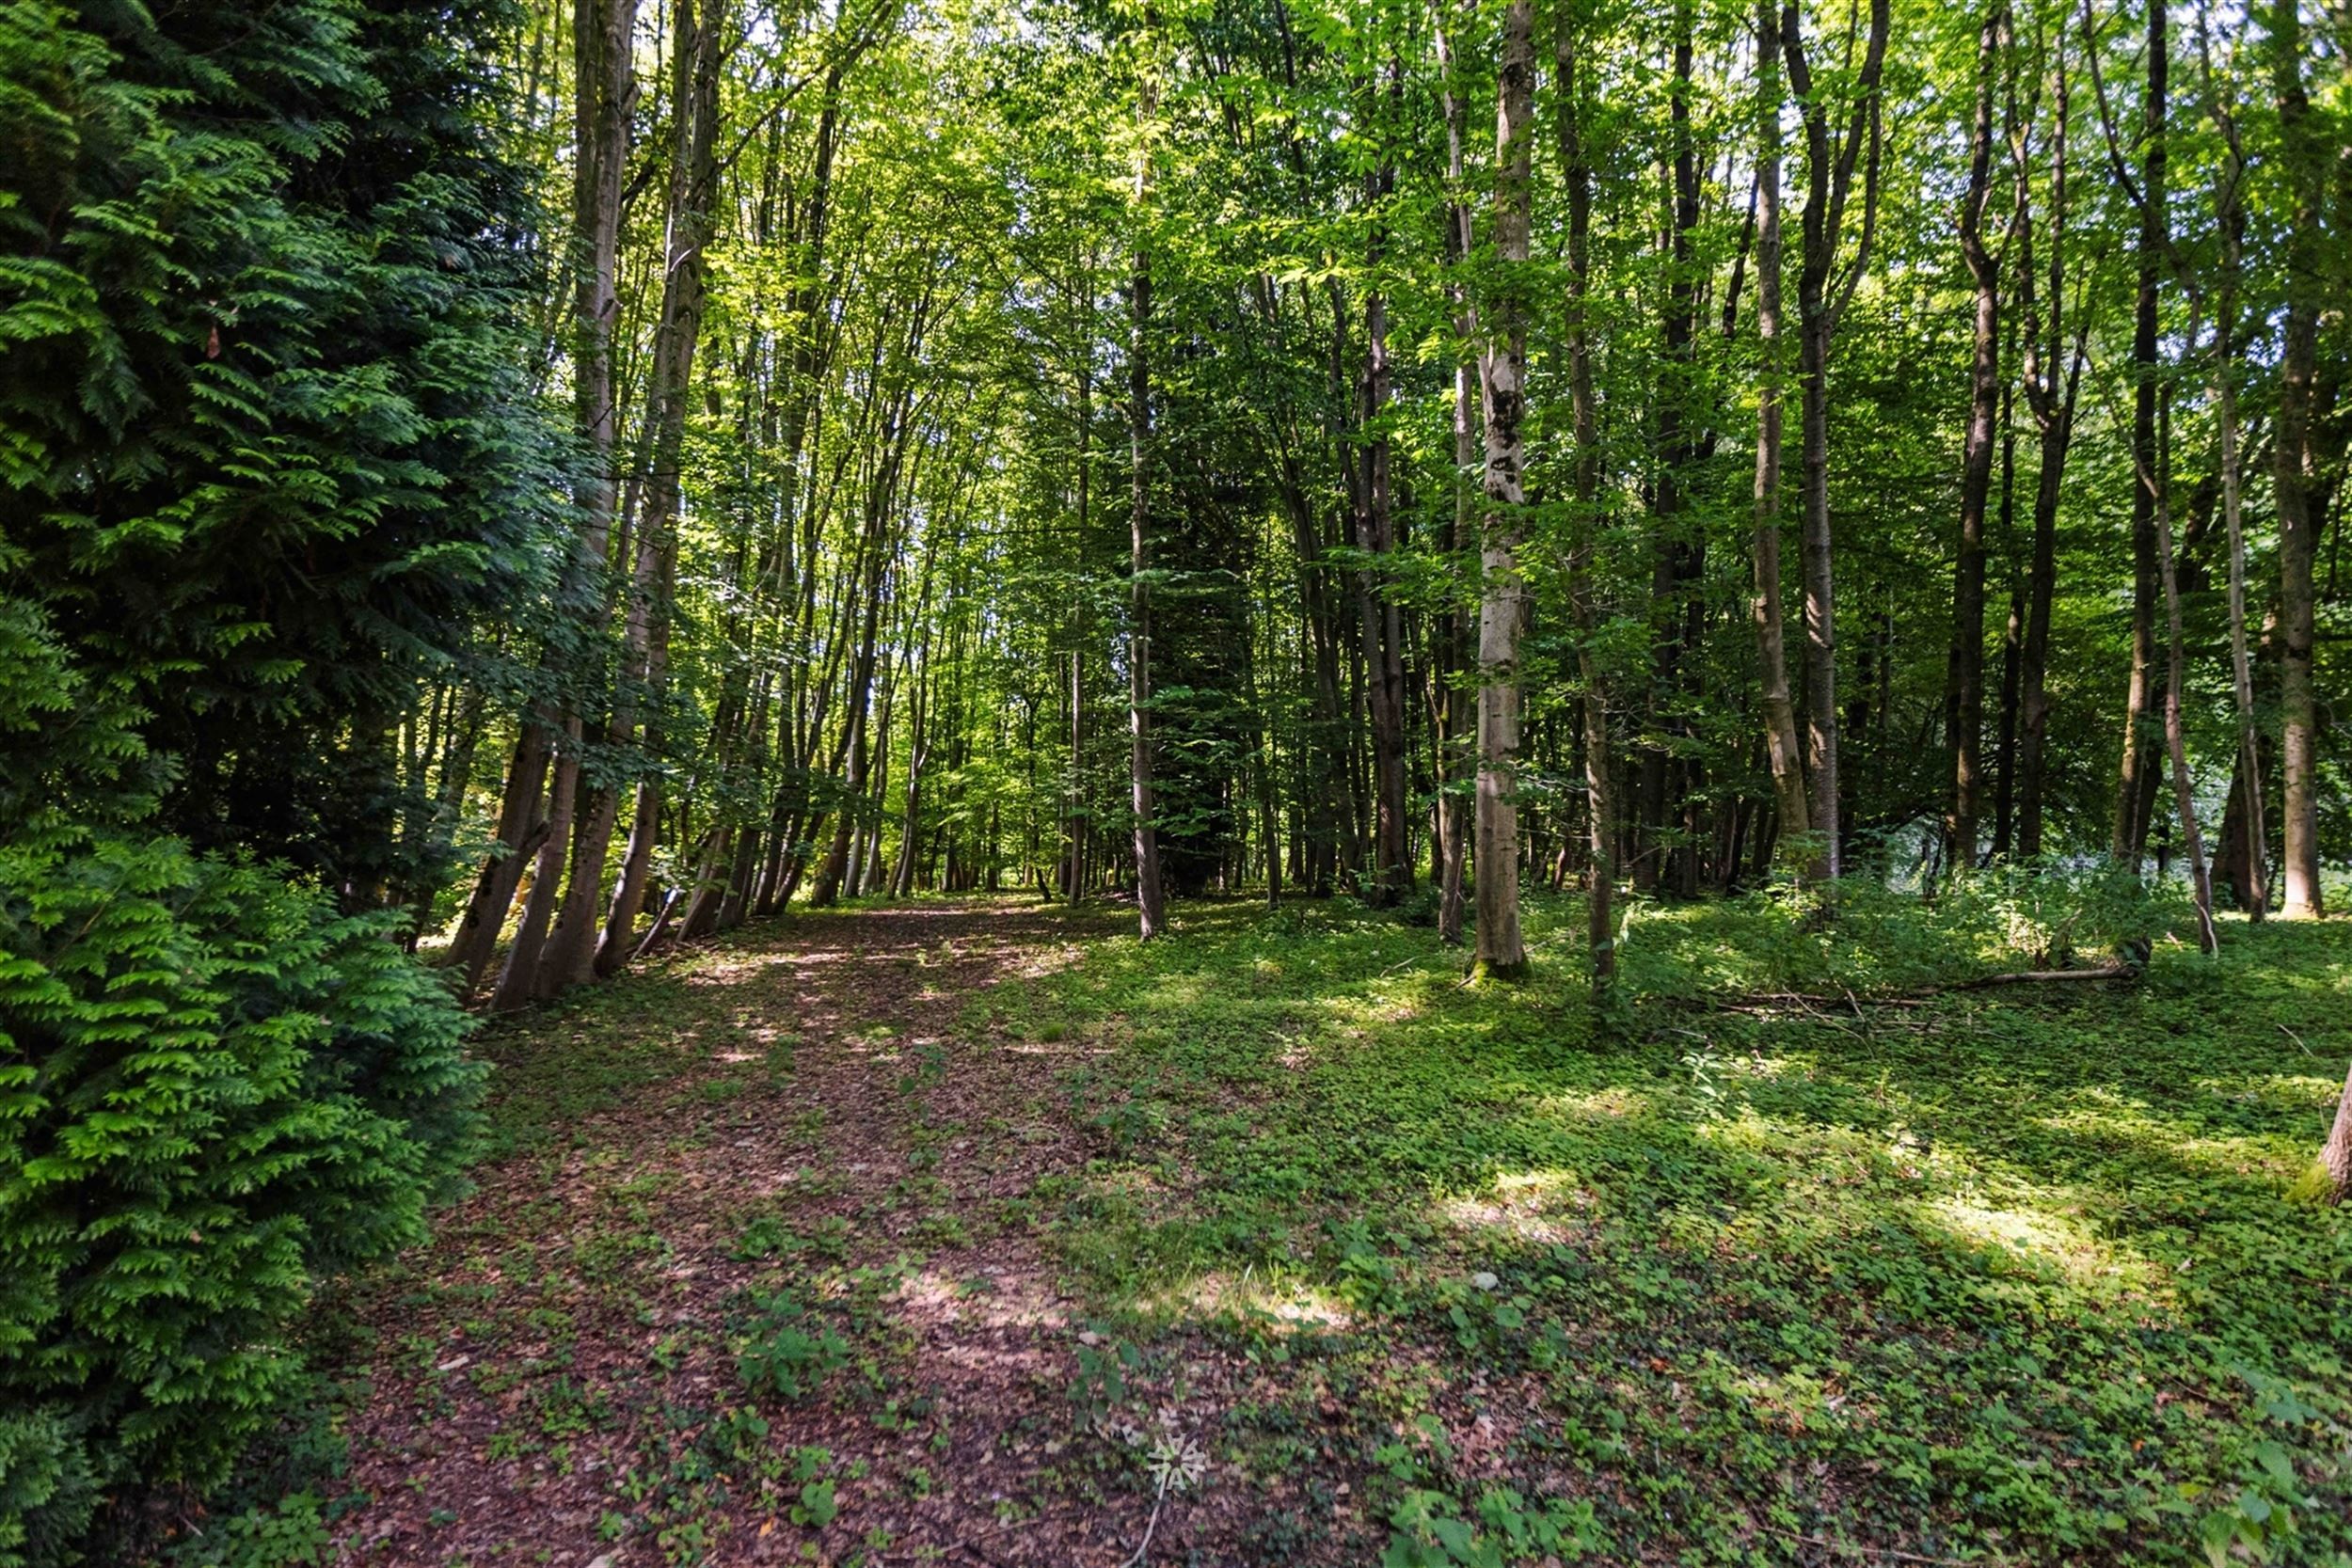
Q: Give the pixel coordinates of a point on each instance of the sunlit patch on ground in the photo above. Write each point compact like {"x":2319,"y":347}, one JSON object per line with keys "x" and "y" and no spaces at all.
{"x":1541,"y":1207}
{"x":1286,"y":1306}
{"x":1986,"y":1278}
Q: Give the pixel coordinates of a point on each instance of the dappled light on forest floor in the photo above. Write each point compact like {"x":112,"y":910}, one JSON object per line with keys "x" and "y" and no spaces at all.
{"x":868,"y":1233}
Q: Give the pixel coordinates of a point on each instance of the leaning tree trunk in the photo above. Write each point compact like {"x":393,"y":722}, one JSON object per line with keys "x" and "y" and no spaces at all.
{"x":1502,"y":608}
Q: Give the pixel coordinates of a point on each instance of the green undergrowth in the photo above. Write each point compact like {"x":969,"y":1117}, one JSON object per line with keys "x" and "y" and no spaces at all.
{"x":2006,"y":1274}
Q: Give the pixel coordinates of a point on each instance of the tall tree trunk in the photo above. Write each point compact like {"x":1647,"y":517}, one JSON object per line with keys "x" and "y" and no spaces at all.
{"x":2245,"y":839}
{"x":2013,"y":638}
{"x":1384,"y":619}
{"x":1502,"y":608}
{"x":576,"y":952}
{"x":606,"y":96}
{"x":1457,"y":723}
{"x":2294,"y":460}
{"x":1150,"y":908}
{"x":1679,"y":539}
{"x":1601,"y":933}
{"x":1822,"y":297}
{"x":603,"y":44}
{"x":1780,"y":715}
{"x":1074,"y":890}
{"x":2136,"y":774}
{"x":2052,"y":377}
{"x":1965,"y":683}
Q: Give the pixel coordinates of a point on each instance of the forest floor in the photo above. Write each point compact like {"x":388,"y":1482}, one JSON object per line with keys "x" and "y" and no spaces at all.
{"x":975,"y":1232}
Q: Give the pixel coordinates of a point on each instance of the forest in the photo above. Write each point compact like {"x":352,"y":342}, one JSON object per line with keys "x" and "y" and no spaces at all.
{"x":1175,"y":781}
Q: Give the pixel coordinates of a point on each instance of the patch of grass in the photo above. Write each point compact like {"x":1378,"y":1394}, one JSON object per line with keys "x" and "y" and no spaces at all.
{"x":2010,"y":1273}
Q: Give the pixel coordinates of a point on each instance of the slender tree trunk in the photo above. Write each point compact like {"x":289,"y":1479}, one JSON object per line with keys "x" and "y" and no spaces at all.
{"x":1502,"y":609}
{"x":1150,"y":906}
{"x":522,"y":828}
{"x":1076,"y":823}
{"x":2051,"y":376}
{"x":1820,"y":297}
{"x":605,"y":98}
{"x":576,"y":952}
{"x":1601,"y":875}
{"x":2013,"y":638}
{"x":2136,"y":775}
{"x":1966,"y":676}
{"x":2244,"y":835}
{"x":2176,"y":674}
{"x":1780,"y":715}
{"x":1384,"y":619}
{"x":517,"y":978}
{"x":1679,"y":540}
{"x":1458,"y":723}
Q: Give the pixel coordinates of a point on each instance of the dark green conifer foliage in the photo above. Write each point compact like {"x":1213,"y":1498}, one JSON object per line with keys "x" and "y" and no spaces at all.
{"x":263,"y":446}
{"x":266,"y":461}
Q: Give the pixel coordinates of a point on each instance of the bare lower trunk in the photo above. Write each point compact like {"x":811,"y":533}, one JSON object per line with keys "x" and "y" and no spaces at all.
{"x":2250,"y":850}
{"x":522,"y":827}
{"x":1821,"y":611}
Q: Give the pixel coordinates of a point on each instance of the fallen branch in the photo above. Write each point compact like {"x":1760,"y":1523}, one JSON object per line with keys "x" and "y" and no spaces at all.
{"x":1770,"y":1000}
{"x":2044,"y":976}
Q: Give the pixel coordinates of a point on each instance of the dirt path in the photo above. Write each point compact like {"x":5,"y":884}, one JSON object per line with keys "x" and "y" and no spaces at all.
{"x":775,"y":1291}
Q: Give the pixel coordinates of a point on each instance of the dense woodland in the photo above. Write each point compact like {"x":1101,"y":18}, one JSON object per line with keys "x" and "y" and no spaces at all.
{"x":496,"y":492}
